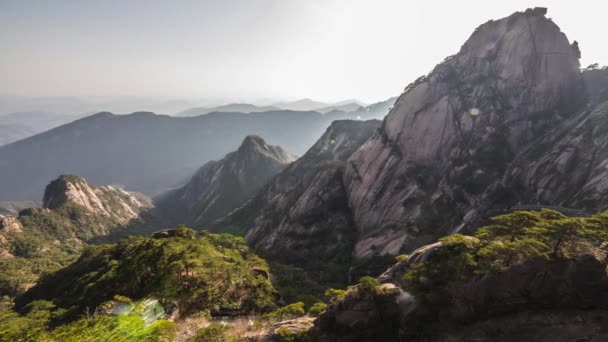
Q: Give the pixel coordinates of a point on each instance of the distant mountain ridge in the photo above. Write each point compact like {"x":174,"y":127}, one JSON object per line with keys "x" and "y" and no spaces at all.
{"x":152,"y":153}
{"x":20,"y":125}
{"x":231,"y":108}
{"x":145,"y":152}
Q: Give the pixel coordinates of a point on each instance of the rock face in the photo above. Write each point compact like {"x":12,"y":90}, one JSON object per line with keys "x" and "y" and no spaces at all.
{"x":302,"y":215}
{"x":221,"y":186}
{"x":107,"y":201}
{"x":563,"y":300}
{"x":452,"y":135}
{"x":10,"y":224}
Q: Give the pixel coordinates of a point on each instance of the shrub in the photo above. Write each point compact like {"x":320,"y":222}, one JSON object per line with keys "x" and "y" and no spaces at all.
{"x":317,"y":309}
{"x":290,"y":311}
{"x":368,"y":285}
{"x":402,"y":257}
{"x":284,"y":334}
{"x":214,"y":332}
{"x":335,"y":295}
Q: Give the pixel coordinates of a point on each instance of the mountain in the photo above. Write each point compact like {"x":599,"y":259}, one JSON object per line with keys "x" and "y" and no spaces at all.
{"x":144,"y":152}
{"x":73,"y":213}
{"x":346,"y":107}
{"x":14,"y":132}
{"x":219,"y":187}
{"x":230,"y":108}
{"x":507,"y":122}
{"x":453,"y":147}
{"x":302,"y":217}
{"x":376,"y":110}
{"x":114,"y":204}
{"x":303,"y":104}
{"x":20,"y":125}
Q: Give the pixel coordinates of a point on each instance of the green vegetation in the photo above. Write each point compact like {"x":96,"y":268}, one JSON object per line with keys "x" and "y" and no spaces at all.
{"x":402,"y":257}
{"x":215,"y":332}
{"x":511,"y":239}
{"x":50,"y":240}
{"x":296,"y":285}
{"x":317,"y":309}
{"x":35,"y":325}
{"x":368,"y":285}
{"x":182,"y":268}
{"x":287,"y":312}
{"x":335,"y":295}
{"x":45,"y":245}
{"x":284,"y":334}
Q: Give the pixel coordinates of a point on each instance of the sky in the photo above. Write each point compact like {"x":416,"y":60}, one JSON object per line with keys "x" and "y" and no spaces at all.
{"x":252,"y":50}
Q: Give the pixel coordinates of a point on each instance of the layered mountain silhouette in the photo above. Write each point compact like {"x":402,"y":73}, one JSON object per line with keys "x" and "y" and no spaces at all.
{"x":230,"y":108}
{"x":152,"y":153}
{"x":219,"y":187}
{"x":20,"y":125}
{"x":145,"y":152}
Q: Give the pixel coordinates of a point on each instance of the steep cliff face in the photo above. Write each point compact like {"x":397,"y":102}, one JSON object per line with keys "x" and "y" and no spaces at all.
{"x":221,"y":186}
{"x":302,"y":215}
{"x":454,"y":133}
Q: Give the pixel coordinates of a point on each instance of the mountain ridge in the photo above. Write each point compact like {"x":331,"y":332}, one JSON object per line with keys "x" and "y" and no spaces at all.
{"x":219,"y":187}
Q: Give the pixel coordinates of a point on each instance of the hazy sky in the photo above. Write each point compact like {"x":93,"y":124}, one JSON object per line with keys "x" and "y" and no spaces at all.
{"x":252,"y":49}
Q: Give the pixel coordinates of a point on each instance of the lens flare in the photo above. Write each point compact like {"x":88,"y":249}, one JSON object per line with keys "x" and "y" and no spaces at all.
{"x":474,"y":111}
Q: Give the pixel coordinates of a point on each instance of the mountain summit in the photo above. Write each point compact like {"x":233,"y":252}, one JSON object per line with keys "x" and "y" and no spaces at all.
{"x":219,"y":187}
{"x":453,"y":133}
{"x":106,"y":201}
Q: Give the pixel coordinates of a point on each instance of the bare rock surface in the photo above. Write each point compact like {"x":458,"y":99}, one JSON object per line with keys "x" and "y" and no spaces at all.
{"x":302,"y":216}
{"x":453,"y":135}
{"x":106,"y":201}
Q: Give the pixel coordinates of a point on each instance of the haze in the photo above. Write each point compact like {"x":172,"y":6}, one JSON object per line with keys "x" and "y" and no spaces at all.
{"x":252,"y":50}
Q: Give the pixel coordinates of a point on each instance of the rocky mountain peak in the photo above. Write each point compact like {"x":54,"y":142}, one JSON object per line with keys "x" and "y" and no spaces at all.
{"x":219,"y":187}
{"x":302,"y":216}
{"x":453,"y":133}
{"x":255,"y":145}
{"x":508,"y":72}
{"x":107,"y":201}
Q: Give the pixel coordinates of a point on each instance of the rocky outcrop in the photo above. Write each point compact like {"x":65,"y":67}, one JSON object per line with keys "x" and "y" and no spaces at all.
{"x":302,"y":215}
{"x":10,"y":224}
{"x":221,"y":186}
{"x":293,"y":328}
{"x":107,"y":201}
{"x":561,"y":300}
{"x":453,"y":134}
